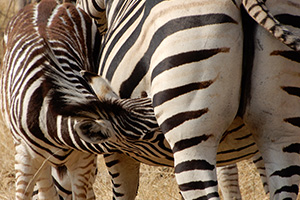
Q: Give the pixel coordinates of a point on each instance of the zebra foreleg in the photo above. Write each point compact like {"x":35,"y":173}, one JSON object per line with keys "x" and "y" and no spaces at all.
{"x":81,"y":170}
{"x":45,"y":185}
{"x":260,"y":166}
{"x":228,"y":181}
{"x":124,"y":172}
{"x":30,"y":169}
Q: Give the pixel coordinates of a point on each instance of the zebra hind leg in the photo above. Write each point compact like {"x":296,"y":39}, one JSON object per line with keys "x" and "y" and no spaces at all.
{"x":272,"y":113}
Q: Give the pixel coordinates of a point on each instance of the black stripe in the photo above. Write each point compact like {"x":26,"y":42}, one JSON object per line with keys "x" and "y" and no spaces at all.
{"x":197,"y":185}
{"x":193,"y":165}
{"x":210,"y":195}
{"x":60,"y":188}
{"x":123,"y":50}
{"x":242,"y":138}
{"x":159,"y":141}
{"x":289,"y":189}
{"x":166,"y":95}
{"x":186,"y":143}
{"x":293,"y":148}
{"x":232,"y":131}
{"x":117,"y":194}
{"x":292,"y":90}
{"x":287,"y":172}
{"x":153,"y":150}
{"x":294,"y":121}
{"x":237,"y":158}
{"x":236,"y":150}
{"x":180,"y":118}
{"x":291,"y":55}
{"x":288,"y":19}
{"x":258,"y":159}
{"x":116,"y":185}
{"x":96,"y":6}
{"x":169,"y":28}
{"x":115,"y":175}
{"x":111,"y":163}
{"x":184,"y":58}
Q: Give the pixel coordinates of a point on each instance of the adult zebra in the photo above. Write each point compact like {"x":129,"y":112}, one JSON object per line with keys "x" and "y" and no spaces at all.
{"x":185,"y":63}
{"x":47,"y":103}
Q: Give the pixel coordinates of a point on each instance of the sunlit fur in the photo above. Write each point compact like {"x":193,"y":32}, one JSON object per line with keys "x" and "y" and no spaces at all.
{"x":191,"y":68}
{"x":45,"y":97}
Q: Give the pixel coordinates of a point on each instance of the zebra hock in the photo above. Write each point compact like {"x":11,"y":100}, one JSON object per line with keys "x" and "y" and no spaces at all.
{"x":151,"y":29}
{"x":47,"y":104}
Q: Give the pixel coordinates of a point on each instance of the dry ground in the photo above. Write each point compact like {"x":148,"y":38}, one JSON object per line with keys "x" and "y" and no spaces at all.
{"x":157,"y":183}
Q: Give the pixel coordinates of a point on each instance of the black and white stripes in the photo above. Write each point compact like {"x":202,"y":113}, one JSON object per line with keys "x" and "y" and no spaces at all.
{"x":49,"y":106}
{"x":188,"y":56}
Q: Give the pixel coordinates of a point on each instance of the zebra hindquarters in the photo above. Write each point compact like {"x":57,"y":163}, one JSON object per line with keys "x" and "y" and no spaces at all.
{"x":272,"y":112}
{"x":196,"y":95}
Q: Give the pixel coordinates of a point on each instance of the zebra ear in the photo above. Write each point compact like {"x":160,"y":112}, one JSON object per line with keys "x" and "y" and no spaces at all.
{"x":95,"y":131}
{"x":100,"y":85}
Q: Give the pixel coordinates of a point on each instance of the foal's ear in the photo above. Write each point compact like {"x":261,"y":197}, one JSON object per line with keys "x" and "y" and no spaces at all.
{"x":100,"y":85}
{"x":95,"y":131}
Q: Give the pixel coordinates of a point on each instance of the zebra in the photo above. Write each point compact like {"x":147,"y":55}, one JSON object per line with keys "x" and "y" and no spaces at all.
{"x":205,"y":37}
{"x":48,"y":104}
{"x":101,"y":23}
{"x":271,"y":112}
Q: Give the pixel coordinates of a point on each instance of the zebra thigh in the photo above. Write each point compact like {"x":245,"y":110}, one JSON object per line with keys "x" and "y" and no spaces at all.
{"x":272,"y":112}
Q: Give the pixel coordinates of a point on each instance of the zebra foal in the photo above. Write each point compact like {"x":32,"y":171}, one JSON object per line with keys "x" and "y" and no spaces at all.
{"x":47,"y":104}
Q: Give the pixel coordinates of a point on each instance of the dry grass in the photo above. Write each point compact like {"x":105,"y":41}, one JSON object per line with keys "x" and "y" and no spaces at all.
{"x":155,"y":182}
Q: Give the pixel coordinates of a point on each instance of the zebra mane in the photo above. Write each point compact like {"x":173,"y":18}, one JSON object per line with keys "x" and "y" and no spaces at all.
{"x":68,"y":92}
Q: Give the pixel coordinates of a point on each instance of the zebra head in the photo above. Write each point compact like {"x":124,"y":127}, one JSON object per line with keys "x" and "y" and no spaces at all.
{"x":99,"y":114}
{"x":131,"y":119}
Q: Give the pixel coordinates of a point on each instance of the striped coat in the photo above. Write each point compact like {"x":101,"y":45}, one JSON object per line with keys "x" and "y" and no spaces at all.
{"x":188,"y":56}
